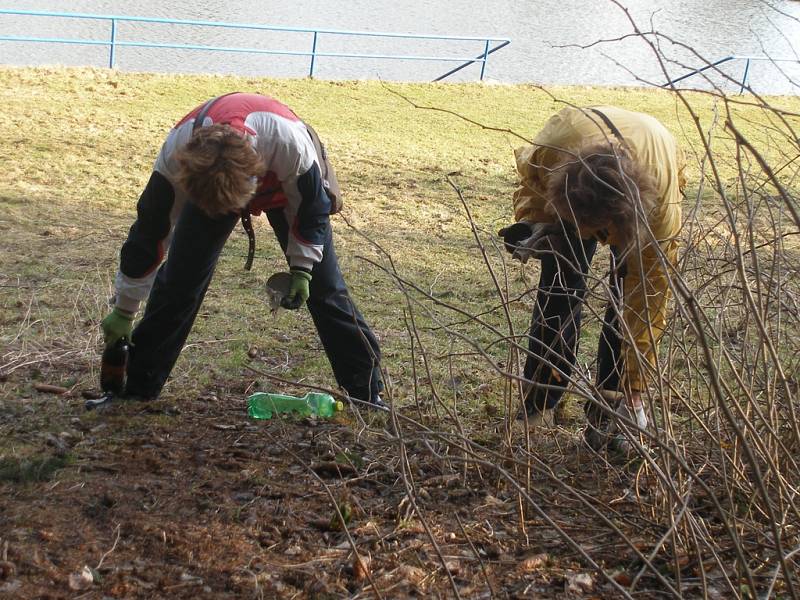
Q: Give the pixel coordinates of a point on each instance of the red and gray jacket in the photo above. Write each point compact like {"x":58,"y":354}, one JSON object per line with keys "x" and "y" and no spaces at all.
{"x":292,"y":182}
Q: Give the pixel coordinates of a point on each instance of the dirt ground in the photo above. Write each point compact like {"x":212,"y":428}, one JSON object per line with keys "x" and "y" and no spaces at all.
{"x":187,"y":498}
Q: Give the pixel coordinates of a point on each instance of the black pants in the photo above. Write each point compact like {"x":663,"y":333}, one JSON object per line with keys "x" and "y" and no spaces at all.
{"x":556,"y":324}
{"x":181,"y":285}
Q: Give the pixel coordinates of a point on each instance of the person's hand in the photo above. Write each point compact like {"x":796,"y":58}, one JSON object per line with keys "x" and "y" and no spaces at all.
{"x":298,"y":290}
{"x":117,"y":324}
{"x":632,"y":408}
{"x":541,"y":239}
{"x":612,"y":433}
{"x":514,"y":234}
{"x":635,"y":401}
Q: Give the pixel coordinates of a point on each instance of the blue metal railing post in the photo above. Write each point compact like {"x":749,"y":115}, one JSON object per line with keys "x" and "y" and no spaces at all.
{"x":698,"y":71}
{"x":485,"y":58}
{"x":112,"y":52}
{"x":503,"y":44}
{"x":744,"y":77}
{"x":313,"y":55}
{"x":748,"y":60}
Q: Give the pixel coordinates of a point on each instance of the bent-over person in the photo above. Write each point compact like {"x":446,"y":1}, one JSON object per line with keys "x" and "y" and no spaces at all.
{"x":607,"y":175}
{"x":239,"y":150}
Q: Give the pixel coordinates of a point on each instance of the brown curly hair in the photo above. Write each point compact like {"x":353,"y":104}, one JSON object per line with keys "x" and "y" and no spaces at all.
{"x":217,"y":169}
{"x":602,"y":188}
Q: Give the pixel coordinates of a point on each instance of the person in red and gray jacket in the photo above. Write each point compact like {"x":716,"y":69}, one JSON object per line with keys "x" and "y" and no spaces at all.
{"x":246,"y":150}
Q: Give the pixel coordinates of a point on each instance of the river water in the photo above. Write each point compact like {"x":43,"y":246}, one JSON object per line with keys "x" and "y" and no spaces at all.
{"x":553,"y":41}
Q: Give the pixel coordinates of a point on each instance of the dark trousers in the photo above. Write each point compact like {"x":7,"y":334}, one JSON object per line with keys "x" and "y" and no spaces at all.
{"x":181,"y":285}
{"x":349,"y":343}
{"x":556,"y":324}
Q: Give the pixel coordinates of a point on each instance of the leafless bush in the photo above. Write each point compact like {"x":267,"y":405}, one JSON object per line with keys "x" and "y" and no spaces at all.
{"x":713,"y":505}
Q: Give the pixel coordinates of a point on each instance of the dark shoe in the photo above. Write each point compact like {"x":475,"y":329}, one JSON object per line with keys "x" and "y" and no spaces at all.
{"x":537,"y":401}
{"x":137,"y":398}
{"x":377,"y":403}
{"x":595,"y":439}
{"x":358,"y":398}
{"x":615,"y":443}
{"x":97,"y":403}
{"x":108,"y":398}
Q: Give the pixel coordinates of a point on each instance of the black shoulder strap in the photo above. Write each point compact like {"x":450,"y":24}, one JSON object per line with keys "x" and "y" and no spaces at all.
{"x":201,"y":116}
{"x":330,"y":182}
{"x":610,"y":124}
{"x":247,"y":222}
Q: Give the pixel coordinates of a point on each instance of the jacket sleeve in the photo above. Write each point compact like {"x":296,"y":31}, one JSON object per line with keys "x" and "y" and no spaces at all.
{"x":148,"y":240}
{"x":312,"y":219}
{"x":534,"y":164}
{"x":150,"y":235}
{"x":646,"y":285}
{"x":293,"y":159}
{"x":529,"y":197}
{"x":646,"y":296}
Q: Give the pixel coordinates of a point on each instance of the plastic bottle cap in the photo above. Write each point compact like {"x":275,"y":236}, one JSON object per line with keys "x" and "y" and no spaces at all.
{"x":339,"y":406}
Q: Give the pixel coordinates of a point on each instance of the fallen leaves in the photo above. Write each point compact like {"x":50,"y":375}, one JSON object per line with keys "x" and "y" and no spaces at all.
{"x":579,"y":583}
{"x":413,"y":575}
{"x":454,"y":567}
{"x":333,"y":469}
{"x":361,"y":567}
{"x":622,"y":577}
{"x":255,"y":502}
{"x":533,"y":562}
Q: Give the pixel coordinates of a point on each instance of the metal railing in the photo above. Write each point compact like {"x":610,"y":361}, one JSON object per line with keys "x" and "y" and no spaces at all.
{"x":489,"y":44}
{"x":733,"y":57}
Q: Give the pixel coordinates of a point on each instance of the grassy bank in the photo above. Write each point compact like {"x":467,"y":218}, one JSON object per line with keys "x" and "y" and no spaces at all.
{"x":77,"y":147}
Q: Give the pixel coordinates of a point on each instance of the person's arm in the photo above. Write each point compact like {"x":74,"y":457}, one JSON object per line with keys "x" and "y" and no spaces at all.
{"x":151,"y":233}
{"x":140,"y":256}
{"x":147,"y":243}
{"x":534,"y":163}
{"x":306,"y":235}
{"x":292,"y":157}
{"x":289,"y":153}
{"x":308,"y":212}
{"x":646,"y":286}
{"x":646,"y":295}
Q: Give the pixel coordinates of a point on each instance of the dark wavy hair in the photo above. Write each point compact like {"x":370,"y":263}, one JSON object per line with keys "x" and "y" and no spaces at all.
{"x":217,"y":168}
{"x":601,"y":187}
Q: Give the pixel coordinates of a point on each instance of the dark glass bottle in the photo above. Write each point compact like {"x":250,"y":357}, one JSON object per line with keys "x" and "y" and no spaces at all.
{"x":113,"y":365}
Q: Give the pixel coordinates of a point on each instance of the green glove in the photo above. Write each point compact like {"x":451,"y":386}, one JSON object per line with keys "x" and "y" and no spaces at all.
{"x":298,"y":290}
{"x":118,"y":324}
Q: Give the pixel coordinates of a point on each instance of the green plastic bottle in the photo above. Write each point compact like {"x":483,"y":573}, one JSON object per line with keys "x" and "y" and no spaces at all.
{"x":262,"y":405}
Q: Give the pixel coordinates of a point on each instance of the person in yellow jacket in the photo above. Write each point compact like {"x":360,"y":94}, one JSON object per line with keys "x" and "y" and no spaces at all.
{"x":608,"y":175}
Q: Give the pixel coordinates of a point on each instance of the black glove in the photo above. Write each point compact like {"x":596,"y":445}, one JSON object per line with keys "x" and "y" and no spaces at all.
{"x":514,"y":234}
{"x":541,"y":239}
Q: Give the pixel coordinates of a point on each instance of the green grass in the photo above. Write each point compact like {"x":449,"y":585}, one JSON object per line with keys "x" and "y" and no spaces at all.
{"x":41,"y":468}
{"x":78,"y":146}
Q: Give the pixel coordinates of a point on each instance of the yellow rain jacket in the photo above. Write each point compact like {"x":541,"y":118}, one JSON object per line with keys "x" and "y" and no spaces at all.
{"x":645,"y":286}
